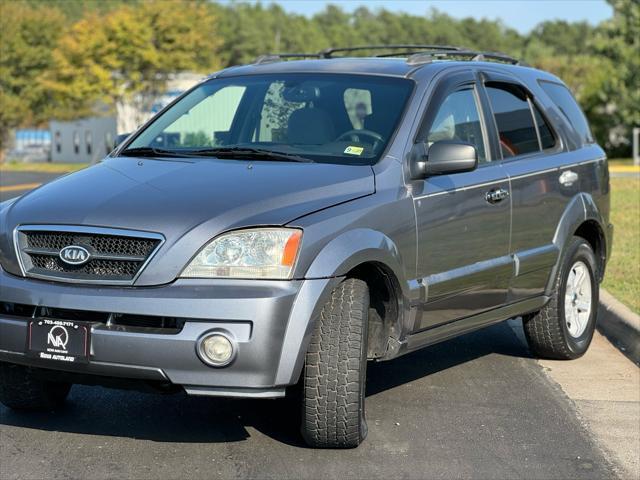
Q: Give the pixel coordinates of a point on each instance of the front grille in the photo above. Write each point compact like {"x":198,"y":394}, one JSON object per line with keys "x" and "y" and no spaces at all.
{"x":116,"y":257}
{"x":99,"y":268}
{"x":104,"y":244}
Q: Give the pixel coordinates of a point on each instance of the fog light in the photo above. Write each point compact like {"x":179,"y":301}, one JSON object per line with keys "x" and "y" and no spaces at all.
{"x":216,"y":350}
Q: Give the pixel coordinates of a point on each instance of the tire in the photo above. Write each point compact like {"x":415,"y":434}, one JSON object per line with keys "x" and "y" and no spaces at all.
{"x":556,"y":332}
{"x":21,"y":389}
{"x":335,"y":369}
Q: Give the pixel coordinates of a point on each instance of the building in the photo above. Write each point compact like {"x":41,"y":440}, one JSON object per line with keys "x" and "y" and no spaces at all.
{"x":87,"y":140}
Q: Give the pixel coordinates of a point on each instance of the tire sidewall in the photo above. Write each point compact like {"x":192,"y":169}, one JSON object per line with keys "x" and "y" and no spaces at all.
{"x":579,"y":250}
{"x":363,"y":369}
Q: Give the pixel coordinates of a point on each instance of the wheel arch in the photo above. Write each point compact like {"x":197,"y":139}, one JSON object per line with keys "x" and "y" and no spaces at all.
{"x":373,"y":257}
{"x":583,"y":219}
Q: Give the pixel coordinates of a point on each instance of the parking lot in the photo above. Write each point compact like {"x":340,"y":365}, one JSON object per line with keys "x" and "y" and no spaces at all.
{"x":474,"y":407}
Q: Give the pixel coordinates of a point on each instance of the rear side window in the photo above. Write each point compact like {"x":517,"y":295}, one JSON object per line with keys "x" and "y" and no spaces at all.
{"x":516,"y":129}
{"x":562,"y":97}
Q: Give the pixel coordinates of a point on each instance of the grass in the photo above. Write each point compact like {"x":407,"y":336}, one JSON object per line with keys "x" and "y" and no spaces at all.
{"x":622,"y":278}
{"x":41,"y":167}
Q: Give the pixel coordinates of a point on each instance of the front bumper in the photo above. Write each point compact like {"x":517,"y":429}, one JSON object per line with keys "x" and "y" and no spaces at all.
{"x":270,"y":320}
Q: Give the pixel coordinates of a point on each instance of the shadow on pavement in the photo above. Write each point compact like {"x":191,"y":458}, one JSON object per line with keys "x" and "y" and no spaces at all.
{"x":183,"y":419}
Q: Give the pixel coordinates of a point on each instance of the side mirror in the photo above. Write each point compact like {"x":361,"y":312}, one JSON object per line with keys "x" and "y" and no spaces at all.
{"x":443,"y":157}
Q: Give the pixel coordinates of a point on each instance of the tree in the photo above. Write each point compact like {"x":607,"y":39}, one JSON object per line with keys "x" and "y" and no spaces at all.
{"x":130,"y":54}
{"x":618,"y":40}
{"x":564,"y":38}
{"x":27,"y":34}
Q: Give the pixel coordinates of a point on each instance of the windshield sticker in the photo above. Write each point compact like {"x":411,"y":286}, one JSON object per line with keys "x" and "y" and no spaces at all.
{"x":354,"y":150}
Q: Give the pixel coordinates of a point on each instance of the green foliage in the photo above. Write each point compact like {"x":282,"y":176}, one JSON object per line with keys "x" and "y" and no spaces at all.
{"x":618,"y":40}
{"x":74,"y":10}
{"x":131,"y":53}
{"x":26,"y":34}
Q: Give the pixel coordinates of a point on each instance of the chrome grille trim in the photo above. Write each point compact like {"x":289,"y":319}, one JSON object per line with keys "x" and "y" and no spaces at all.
{"x":103,"y":235}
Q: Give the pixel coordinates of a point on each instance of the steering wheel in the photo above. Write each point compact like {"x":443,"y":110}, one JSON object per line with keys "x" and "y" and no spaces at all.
{"x":354,"y":136}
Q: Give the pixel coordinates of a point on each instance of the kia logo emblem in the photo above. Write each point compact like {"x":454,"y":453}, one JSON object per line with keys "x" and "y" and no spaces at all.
{"x":74,"y":255}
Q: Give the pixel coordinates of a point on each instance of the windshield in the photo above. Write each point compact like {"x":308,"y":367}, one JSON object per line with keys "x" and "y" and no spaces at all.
{"x":346,"y":119}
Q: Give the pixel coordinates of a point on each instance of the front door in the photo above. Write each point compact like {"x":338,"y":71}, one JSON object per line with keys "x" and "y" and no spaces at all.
{"x":463,"y":219}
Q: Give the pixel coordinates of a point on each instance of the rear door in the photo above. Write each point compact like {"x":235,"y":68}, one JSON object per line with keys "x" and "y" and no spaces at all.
{"x":463,"y":218}
{"x":534,"y":160}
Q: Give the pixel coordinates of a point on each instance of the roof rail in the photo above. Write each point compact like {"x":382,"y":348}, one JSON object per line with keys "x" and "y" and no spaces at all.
{"x":420,"y":58}
{"x":276,"y":57}
{"x":328,"y":52}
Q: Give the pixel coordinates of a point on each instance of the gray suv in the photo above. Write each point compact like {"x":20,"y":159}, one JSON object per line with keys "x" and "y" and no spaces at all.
{"x":283,"y":223}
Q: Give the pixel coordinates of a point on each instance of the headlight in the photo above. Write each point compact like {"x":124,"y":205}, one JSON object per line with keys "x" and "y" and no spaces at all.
{"x":257,"y":253}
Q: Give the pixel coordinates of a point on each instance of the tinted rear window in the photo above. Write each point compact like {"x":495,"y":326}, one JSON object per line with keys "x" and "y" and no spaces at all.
{"x":563,"y":98}
{"x":514,"y":121}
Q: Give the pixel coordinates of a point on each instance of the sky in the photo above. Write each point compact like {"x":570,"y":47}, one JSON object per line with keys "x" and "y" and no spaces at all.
{"x":522,"y":15}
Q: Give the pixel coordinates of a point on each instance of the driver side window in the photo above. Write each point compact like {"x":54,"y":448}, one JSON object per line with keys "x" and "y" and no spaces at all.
{"x":458,"y":119}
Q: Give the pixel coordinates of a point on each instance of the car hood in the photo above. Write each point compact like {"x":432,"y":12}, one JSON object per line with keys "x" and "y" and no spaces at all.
{"x":188,"y":201}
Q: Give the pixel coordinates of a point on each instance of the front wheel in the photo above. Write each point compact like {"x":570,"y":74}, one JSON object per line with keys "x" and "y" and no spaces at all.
{"x":563,"y":329}
{"x":335,"y":370}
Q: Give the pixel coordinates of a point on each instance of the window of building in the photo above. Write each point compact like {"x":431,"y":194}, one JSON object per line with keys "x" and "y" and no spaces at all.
{"x":88,"y":140}
{"x":76,"y":142}
{"x":58,"y":141}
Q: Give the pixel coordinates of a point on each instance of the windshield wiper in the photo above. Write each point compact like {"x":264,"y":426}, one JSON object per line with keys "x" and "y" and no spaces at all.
{"x":246,"y":152}
{"x":152,"y":152}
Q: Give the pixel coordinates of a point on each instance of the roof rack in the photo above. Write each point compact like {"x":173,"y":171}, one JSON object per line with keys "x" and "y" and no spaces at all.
{"x":419,"y":58}
{"x":416,"y":54}
{"x":328,"y":52}
{"x":276,"y":57}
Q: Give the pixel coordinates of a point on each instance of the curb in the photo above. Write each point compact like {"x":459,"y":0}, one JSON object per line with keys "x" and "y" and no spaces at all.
{"x":620,"y":325}
{"x":624,"y":168}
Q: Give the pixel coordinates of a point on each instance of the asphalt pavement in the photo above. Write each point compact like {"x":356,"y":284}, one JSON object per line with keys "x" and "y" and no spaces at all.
{"x":13,"y":184}
{"x":473,"y":407}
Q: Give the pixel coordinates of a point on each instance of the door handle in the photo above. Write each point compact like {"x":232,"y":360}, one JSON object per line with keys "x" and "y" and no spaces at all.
{"x":496,"y":195}
{"x":568,"y":178}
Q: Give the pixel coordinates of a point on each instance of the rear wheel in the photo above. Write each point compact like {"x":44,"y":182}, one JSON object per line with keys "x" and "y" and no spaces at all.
{"x":563,"y":329}
{"x":22,"y":389}
{"x":334,"y":375}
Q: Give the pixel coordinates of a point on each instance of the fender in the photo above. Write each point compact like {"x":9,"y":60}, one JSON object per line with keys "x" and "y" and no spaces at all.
{"x":580,"y":209}
{"x":354,"y":247}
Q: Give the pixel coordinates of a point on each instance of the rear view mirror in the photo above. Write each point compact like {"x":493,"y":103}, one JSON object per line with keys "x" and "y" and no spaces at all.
{"x":441,"y":158}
